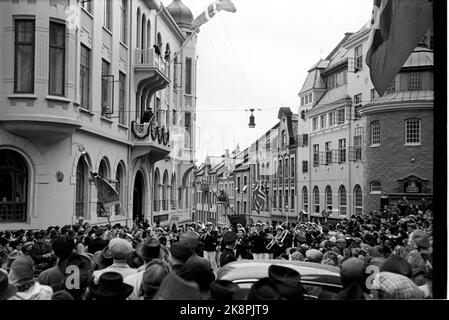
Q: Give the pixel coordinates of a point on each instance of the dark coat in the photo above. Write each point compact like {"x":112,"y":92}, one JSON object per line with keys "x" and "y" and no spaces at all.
{"x":227,"y":256}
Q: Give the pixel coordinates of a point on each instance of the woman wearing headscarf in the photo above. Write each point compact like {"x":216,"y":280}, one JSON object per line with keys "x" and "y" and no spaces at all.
{"x":22,"y":276}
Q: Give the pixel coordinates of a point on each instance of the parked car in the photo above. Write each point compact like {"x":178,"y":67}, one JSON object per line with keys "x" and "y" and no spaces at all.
{"x":318,"y":280}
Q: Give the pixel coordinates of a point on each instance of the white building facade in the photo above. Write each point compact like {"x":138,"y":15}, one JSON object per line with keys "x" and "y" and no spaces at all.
{"x":80,"y":75}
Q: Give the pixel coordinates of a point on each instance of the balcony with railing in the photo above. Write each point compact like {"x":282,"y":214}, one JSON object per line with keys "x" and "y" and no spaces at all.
{"x":149,"y":70}
{"x":12,"y":212}
{"x":149,"y":138}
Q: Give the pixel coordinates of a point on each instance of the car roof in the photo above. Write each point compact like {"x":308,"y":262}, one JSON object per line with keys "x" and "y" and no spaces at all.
{"x":257,"y":269}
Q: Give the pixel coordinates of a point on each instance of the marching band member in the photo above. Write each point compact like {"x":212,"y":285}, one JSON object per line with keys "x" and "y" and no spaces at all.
{"x":242,"y":245}
{"x":210,"y":239}
{"x":258,"y":240}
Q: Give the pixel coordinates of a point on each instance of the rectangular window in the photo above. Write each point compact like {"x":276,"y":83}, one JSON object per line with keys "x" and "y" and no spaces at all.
{"x":331,"y":117}
{"x":391,"y":87}
{"x":358,"y":142}
{"x":341,"y":116}
{"x":286,"y":199}
{"x":316,"y":155}
{"x":280,"y":199}
{"x":292,"y":202}
{"x":414,"y":81}
{"x":123,"y":20}
{"x":107,"y":14}
{"x":245,"y":184}
{"x":293,"y":168}
{"x":305,"y":139}
{"x":302,"y":101}
{"x":357,"y":105}
{"x":331,"y":81}
{"x":341,"y":150}
{"x":105,"y":89}
{"x":56,"y":74}
{"x":315,"y":123}
{"x":374,"y":94}
{"x":327,"y":149}
{"x":188,"y":76}
{"x":305,"y":166}
{"x":375,"y":133}
{"x":323,"y":121}
{"x":341,"y":78}
{"x":24,"y":56}
{"x":85,"y":78}
{"x":358,"y":56}
{"x":310,"y":98}
{"x":306,"y":99}
{"x":413,"y":131}
{"x":274,"y":199}
{"x":122,"y":98}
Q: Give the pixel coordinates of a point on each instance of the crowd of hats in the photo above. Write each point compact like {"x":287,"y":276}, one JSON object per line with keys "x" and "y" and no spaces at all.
{"x":173,"y":268}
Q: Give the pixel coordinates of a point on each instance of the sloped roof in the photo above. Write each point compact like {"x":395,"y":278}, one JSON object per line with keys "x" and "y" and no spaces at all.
{"x":332,"y":96}
{"x":404,"y":96}
{"x":313,"y":80}
{"x":420,"y":57}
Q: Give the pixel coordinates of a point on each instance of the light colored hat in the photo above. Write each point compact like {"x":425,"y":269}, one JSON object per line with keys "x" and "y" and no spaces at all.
{"x":120,"y":248}
{"x":314,"y":255}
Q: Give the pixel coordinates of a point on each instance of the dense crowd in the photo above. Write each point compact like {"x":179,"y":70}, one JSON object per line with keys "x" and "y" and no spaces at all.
{"x":85,"y":262}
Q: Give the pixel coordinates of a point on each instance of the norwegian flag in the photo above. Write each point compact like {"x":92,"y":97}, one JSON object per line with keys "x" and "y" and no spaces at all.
{"x":259,"y":197}
{"x":397,"y":26}
{"x":212,"y":9}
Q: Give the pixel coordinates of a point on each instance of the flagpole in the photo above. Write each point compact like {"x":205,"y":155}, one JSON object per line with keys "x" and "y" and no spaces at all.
{"x":91,"y":173}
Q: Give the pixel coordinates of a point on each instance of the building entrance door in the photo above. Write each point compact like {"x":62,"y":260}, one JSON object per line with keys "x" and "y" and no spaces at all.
{"x":138,"y":197}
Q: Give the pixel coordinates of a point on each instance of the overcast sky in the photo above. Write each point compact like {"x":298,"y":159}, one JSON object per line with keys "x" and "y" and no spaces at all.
{"x":258,"y":57}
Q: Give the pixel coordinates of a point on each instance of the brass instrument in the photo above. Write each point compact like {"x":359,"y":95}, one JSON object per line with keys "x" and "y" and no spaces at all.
{"x":280,"y":237}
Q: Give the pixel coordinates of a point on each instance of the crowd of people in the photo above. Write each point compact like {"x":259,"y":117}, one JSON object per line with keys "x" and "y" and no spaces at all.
{"x":144,"y":262}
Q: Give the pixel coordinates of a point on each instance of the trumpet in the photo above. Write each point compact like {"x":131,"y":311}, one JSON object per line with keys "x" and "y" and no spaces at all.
{"x":280,"y":238}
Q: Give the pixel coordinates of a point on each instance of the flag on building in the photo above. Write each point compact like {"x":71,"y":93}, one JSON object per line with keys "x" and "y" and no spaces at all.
{"x":397,"y":26}
{"x":235,"y":219}
{"x":259,"y":197}
{"x":106,"y":193}
{"x":212,"y":9}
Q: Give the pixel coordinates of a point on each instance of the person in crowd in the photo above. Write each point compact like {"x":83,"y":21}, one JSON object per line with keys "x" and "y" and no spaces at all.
{"x":149,"y":251}
{"x":110,"y":287}
{"x":120,"y":250}
{"x":21,"y":275}
{"x":210,"y":239}
{"x":155,"y":272}
{"x":228,"y":254}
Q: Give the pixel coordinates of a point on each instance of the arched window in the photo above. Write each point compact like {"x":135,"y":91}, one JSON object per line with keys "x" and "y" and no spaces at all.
{"x":144,"y":33}
{"x":156,"y":191}
{"x":316,"y":199}
{"x":375,"y":187}
{"x":13,"y":186}
{"x":329,"y":198}
{"x":305,"y":199}
{"x":138,"y":33}
{"x":148,"y":34}
{"x":173,"y":192}
{"x":342,"y":200}
{"x":104,"y":173}
{"x":164,"y":191}
{"x":358,"y":200}
{"x":375,"y":133}
{"x":284,"y":138}
{"x":120,"y":187}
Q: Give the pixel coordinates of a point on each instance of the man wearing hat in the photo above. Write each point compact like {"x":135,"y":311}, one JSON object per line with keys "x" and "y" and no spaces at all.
{"x":62,"y":248}
{"x":110,"y":286}
{"x":149,"y":250}
{"x":257,"y":239}
{"x":223,"y":290}
{"x":120,"y":250}
{"x":210,"y":240}
{"x":41,"y":251}
{"x":228,"y":255}
{"x":153,"y":276}
{"x":264,"y":289}
{"x":173,"y":287}
{"x":98,"y":243}
{"x":288,"y":282}
{"x":180,"y":253}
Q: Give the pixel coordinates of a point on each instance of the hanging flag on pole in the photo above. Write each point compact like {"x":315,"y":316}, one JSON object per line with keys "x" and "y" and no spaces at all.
{"x":397,"y":26}
{"x":106,"y":192}
{"x":259,"y":197}
{"x":212,"y":9}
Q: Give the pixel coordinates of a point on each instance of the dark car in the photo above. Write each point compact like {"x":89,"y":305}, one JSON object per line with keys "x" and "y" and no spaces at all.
{"x":319,"y":281}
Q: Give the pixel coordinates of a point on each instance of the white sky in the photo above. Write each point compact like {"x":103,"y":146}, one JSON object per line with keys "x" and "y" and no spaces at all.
{"x":258,"y":57}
